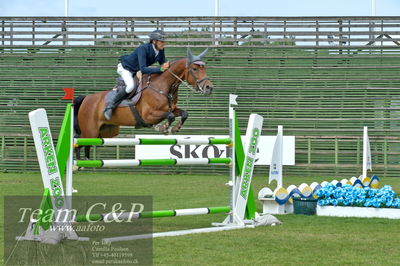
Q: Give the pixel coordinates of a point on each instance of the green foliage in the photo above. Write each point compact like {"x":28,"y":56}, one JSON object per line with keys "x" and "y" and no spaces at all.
{"x":192,"y":36}
{"x":204,"y":36}
{"x":120,"y":39}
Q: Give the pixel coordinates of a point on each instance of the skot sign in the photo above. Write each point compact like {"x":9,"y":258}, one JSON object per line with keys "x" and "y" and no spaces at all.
{"x":263,"y":157}
{"x":198,"y":151}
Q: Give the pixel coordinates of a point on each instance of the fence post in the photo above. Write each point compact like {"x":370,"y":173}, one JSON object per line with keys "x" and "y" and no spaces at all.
{"x":215,"y":33}
{"x":265,"y":33}
{"x":64,"y":33}
{"x":33,"y":32}
{"x":340,"y":35}
{"x":11,"y":35}
{"x":284,"y":30}
{"x":95,"y":32}
{"x":235,"y":32}
{"x":3,"y":36}
{"x":133,"y":31}
{"x":372,"y":35}
{"x":340,"y":32}
{"x":111,"y":33}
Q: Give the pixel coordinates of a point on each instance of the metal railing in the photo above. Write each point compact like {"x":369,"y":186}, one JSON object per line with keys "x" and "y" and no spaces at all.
{"x":210,"y":31}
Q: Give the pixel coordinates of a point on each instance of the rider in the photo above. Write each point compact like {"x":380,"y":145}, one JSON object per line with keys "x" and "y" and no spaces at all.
{"x":140,"y":59}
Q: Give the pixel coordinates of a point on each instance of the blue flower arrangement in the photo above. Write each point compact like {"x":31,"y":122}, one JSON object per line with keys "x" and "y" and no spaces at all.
{"x":348,"y":195}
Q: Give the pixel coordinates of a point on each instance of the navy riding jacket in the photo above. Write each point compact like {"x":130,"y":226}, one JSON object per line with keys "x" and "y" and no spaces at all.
{"x":143,"y":57}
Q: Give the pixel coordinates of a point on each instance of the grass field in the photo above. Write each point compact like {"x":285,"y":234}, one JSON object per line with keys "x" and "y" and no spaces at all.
{"x":310,"y":240}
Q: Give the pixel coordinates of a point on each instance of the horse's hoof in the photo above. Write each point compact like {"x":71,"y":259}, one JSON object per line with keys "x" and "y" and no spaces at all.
{"x":175,"y":129}
{"x":162,"y":128}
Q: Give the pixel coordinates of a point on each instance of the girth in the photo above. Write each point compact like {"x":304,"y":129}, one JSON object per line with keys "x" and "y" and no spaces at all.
{"x":139,"y":121}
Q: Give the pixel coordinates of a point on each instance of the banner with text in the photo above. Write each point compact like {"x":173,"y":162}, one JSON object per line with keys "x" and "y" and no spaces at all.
{"x":264,"y":152}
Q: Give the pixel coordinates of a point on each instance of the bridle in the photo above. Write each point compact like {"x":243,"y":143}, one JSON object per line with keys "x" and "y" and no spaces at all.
{"x":198,"y":82}
{"x":174,"y":86}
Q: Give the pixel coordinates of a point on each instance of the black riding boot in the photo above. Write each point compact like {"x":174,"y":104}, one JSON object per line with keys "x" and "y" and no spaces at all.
{"x":118,"y":97}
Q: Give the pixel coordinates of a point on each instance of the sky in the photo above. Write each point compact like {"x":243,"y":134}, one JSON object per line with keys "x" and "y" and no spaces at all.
{"x":135,"y":8}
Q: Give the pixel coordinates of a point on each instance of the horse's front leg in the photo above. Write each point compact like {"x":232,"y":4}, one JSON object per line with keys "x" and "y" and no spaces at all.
{"x":163,"y":127}
{"x":184,"y":115}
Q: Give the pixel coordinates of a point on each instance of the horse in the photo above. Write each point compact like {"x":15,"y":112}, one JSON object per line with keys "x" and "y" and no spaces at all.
{"x":157,"y":103}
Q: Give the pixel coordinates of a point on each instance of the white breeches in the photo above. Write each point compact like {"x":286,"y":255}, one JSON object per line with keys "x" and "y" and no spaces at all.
{"x":126,"y":75}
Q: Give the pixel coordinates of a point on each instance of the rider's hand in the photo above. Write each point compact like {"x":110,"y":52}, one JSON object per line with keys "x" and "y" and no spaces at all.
{"x":165,"y":66}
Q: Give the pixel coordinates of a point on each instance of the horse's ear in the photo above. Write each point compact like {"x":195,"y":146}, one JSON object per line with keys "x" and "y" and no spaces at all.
{"x":189,"y":56}
{"x":203,"y":53}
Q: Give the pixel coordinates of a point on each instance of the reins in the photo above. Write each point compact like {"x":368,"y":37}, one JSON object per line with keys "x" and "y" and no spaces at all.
{"x":178,"y":78}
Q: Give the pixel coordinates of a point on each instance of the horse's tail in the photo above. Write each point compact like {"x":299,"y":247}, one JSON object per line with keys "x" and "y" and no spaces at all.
{"x":77,"y":104}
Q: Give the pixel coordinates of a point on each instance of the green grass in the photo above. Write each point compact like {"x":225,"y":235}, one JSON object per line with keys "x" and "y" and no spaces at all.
{"x":300,"y":240}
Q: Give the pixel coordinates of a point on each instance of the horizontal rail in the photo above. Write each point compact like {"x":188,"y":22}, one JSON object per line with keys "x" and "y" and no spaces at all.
{"x":150,"y":162}
{"x":215,"y":31}
{"x":144,"y":141}
{"x":126,"y":216}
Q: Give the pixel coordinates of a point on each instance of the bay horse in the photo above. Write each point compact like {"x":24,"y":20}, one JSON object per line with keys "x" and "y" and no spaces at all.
{"x":157,"y":103}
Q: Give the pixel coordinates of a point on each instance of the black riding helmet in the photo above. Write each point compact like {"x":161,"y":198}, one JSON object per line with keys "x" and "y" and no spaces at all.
{"x":157,"y":35}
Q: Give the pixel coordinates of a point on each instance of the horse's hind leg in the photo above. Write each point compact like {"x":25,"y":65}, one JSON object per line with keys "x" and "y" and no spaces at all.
{"x":87,"y":152}
{"x":106,"y":131}
{"x":90,"y":129}
{"x":77,"y":151}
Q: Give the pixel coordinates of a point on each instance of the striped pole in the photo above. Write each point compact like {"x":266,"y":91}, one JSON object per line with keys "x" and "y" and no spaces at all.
{"x":150,"y":162}
{"x":126,"y":216}
{"x":143,"y":141}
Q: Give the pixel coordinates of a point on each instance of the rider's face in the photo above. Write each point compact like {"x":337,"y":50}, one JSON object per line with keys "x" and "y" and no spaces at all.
{"x":159,"y":45}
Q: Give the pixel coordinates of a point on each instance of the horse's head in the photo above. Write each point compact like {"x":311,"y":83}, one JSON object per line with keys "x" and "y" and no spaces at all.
{"x":197,"y":76}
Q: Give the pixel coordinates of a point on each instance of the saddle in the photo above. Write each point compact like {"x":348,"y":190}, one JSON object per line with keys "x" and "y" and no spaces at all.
{"x":132,"y":98}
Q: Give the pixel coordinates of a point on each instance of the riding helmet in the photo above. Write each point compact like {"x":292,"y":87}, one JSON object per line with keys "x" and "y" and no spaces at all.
{"x":157,"y":35}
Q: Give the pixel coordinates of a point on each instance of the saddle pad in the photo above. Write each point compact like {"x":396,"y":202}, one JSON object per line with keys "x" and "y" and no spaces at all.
{"x":134,"y":100}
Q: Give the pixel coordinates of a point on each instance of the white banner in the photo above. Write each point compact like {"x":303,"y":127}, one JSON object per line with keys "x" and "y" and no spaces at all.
{"x":275,"y":171}
{"x":264,"y":151}
{"x":367,"y":164}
